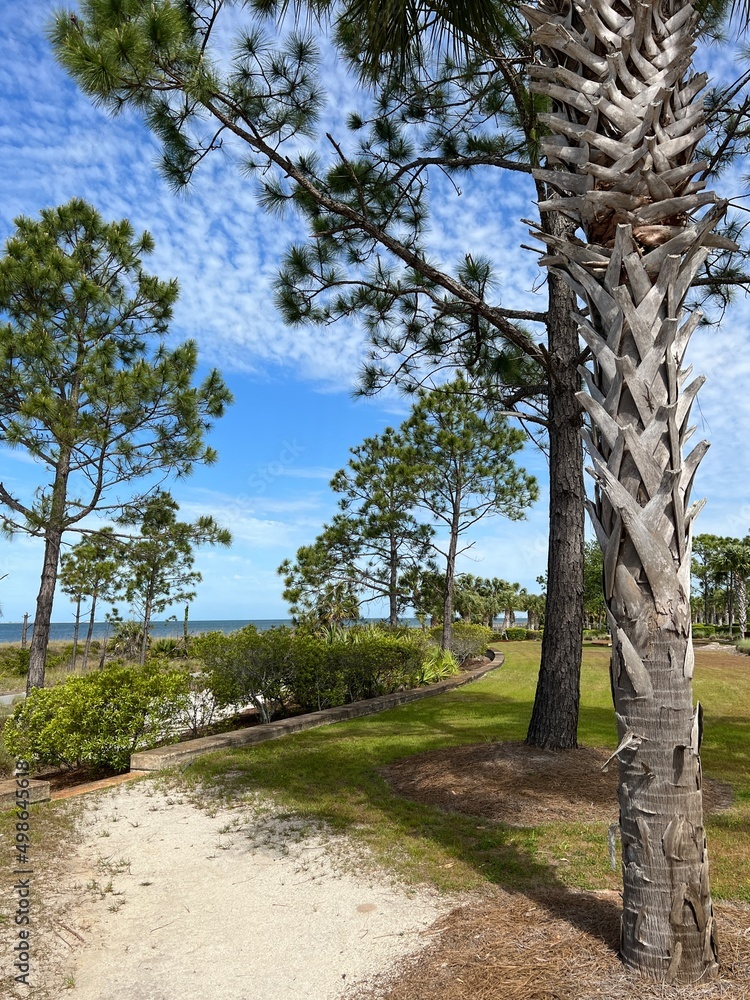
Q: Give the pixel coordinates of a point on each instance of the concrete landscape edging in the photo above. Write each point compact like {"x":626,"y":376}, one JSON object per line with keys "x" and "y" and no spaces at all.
{"x":181,"y":754}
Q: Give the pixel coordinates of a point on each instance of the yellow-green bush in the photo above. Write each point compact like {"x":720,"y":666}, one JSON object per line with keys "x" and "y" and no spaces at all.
{"x":276,"y":669}
{"x":467,"y":640}
{"x":97,"y":720}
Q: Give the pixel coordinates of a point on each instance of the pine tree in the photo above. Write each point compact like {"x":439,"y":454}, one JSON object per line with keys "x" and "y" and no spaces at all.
{"x":93,"y":569}
{"x":462,"y":457}
{"x":160,"y":558}
{"x":87,"y":385}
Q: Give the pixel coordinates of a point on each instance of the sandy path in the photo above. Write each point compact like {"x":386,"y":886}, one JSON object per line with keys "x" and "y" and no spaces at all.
{"x":239,"y":905}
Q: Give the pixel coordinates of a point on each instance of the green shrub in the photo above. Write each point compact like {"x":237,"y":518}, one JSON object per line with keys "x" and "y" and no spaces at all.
{"x":7,"y":762}
{"x":14,"y":660}
{"x":203,"y":704}
{"x":316,"y":680}
{"x":247,"y":667}
{"x":437,"y":665}
{"x":743,"y":645}
{"x":378,"y":664}
{"x":365,"y":665}
{"x":703,"y":631}
{"x":167,"y":648}
{"x":274,"y":669}
{"x":127,"y":639}
{"x":467,"y":640}
{"x":98,"y":720}
{"x":533,"y":634}
{"x":514,"y":633}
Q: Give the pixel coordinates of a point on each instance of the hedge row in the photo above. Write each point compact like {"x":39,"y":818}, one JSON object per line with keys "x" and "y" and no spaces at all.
{"x":98,"y":720}
{"x":516,"y":633}
{"x":279,"y":668}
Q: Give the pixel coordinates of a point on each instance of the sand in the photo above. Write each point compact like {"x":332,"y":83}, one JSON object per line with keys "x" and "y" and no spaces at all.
{"x":167,"y":900}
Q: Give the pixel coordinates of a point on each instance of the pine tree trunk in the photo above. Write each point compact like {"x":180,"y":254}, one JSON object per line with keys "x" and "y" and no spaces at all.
{"x":393,"y":582}
{"x":554,"y":719}
{"x":625,"y":127}
{"x":43,"y":614}
{"x":450,"y":578}
{"x":103,"y":657}
{"x":90,"y":631}
{"x":46,"y":597}
{"x":146,"y":620}
{"x":76,"y":630}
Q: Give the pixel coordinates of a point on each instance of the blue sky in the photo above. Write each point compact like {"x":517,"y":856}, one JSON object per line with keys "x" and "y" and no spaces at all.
{"x":294,"y":419}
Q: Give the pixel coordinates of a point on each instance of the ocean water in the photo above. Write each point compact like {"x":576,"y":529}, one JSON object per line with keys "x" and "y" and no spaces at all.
{"x":11,"y":631}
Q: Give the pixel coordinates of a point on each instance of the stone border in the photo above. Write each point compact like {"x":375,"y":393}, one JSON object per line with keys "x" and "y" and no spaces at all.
{"x":181,"y":754}
{"x":38,"y":792}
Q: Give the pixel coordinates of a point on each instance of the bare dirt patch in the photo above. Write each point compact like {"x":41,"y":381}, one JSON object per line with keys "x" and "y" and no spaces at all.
{"x":169,"y":896}
{"x":520,"y":785}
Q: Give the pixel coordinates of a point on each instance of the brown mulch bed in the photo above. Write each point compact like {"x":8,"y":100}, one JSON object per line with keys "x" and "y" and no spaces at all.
{"x":520,"y":785}
{"x":548,"y":944}
{"x":562,"y":945}
{"x":70,"y":778}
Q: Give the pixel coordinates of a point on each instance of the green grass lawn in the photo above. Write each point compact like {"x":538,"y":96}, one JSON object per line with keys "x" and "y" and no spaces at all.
{"x":331,"y":774}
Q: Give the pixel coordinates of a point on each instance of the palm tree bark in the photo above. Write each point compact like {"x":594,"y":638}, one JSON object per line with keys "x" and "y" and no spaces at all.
{"x":620,"y":164}
{"x":741,"y":605}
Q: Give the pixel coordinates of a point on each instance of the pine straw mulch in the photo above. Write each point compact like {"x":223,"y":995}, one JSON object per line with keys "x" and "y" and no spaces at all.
{"x":552,"y":943}
{"x":562,"y":945}
{"x":520,"y":785}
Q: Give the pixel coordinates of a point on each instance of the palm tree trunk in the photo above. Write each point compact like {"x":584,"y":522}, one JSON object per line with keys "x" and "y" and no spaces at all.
{"x":621,"y":165}
{"x":741,"y":590}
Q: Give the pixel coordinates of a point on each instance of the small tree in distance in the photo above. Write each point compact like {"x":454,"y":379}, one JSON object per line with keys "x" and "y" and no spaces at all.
{"x":93,"y":569}
{"x":87,"y":386}
{"x":159,"y":562}
{"x":464,"y":470}
{"x":372,"y":542}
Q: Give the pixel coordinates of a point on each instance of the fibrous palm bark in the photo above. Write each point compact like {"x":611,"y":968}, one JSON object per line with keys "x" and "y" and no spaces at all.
{"x":625,"y":124}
